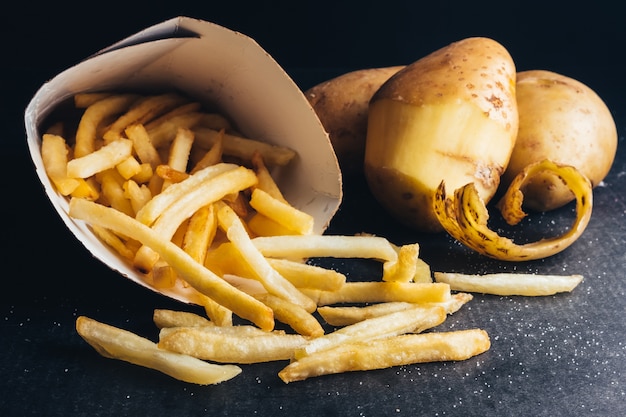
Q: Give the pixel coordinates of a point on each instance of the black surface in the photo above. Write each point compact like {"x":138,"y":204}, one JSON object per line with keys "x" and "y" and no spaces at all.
{"x":555,"y":356}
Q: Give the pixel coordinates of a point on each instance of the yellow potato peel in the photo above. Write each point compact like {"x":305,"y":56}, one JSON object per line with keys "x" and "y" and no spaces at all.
{"x":464,"y":215}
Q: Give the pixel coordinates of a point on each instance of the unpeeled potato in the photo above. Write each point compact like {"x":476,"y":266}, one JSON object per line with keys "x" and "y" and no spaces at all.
{"x":565,"y":121}
{"x":341,"y":104}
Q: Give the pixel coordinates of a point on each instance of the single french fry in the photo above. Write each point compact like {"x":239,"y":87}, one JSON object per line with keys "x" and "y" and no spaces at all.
{"x":129,"y":167}
{"x":114,"y":241}
{"x":273,"y":282}
{"x":510,"y":283}
{"x":179,"y":151}
{"x":115,"y":343}
{"x":212,"y":156}
{"x":138,"y":195}
{"x":170,"y":174}
{"x":54,"y":153}
{"x":261,"y":225}
{"x":405,"y":267}
{"x":142,"y":144}
{"x":344,"y":316}
{"x":245,"y":148}
{"x":266,"y":181}
{"x":87,"y":188}
{"x":412,"y":320}
{"x":378,"y":292}
{"x":93,"y":116}
{"x":303,"y":275}
{"x":200,"y":233}
{"x":112,"y":188}
{"x":337,"y":246}
{"x":163,"y":276}
{"x":393,"y":351}
{"x":174,"y":318}
{"x":104,"y":158}
{"x":225,"y":259}
{"x":300,"y":320}
{"x":195,"y":274}
{"x":220,"y":346}
{"x":282,"y":213}
{"x":218,"y":314}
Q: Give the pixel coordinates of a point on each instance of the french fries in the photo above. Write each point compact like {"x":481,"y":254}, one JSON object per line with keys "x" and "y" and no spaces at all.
{"x":393,"y":351}
{"x":531,"y":285}
{"x":116,"y":343}
{"x":186,"y":200}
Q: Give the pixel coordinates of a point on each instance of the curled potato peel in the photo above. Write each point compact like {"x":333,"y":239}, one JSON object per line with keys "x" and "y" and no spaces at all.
{"x":464,"y":215}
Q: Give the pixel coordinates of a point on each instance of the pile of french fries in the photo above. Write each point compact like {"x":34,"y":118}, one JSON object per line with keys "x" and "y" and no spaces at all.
{"x":178,"y":193}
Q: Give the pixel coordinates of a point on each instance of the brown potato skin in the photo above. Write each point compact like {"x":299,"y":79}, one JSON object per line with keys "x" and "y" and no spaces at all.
{"x":563,"y":120}
{"x":341,"y":104}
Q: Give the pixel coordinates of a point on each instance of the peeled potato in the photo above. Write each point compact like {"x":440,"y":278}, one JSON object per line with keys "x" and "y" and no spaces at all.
{"x":565,"y":121}
{"x":341,"y":104}
{"x":450,"y":116}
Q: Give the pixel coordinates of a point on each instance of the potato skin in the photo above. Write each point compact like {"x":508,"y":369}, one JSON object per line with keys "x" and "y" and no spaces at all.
{"x":563,"y":120}
{"x":341,"y":104}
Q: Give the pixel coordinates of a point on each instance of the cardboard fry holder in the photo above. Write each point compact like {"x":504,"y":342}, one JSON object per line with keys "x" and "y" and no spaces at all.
{"x":224,"y":69}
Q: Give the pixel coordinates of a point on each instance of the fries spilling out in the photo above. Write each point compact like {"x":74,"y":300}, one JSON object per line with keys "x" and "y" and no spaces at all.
{"x":189,"y":202}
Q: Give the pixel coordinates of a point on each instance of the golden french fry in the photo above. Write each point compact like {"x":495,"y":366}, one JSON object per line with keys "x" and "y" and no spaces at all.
{"x":195,"y":274}
{"x":405,"y":267}
{"x":114,"y":241}
{"x":393,"y":351}
{"x":303,"y":275}
{"x":179,"y":151}
{"x":87,"y":189}
{"x":138,"y":195}
{"x":227,"y":346}
{"x":200,"y":232}
{"x":295,"y":316}
{"x":104,"y":158}
{"x":212,"y":156}
{"x":261,"y":225}
{"x":245,"y":148}
{"x":510,"y":283}
{"x":115,"y":343}
{"x":174,"y":318}
{"x":266,"y":181}
{"x":226,"y":259}
{"x":142,"y":144}
{"x":94,"y":115}
{"x":344,"y":316}
{"x":302,"y":247}
{"x":378,"y":292}
{"x":273,"y":282}
{"x":54,"y":153}
{"x":170,"y":174}
{"x":411,"y":320}
{"x":112,"y":189}
{"x":129,"y":167}
{"x":218,"y":314}
{"x":282,"y":213}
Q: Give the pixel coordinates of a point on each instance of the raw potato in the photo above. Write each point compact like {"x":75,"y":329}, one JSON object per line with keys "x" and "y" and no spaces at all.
{"x":341,"y":104}
{"x":565,"y":121}
{"x":450,"y":116}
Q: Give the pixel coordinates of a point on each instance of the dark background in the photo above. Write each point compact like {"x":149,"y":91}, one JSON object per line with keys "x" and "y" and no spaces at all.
{"x":553,"y":356}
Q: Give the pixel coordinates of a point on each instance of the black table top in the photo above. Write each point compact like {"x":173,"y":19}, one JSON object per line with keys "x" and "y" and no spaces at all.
{"x":562,"y":355}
